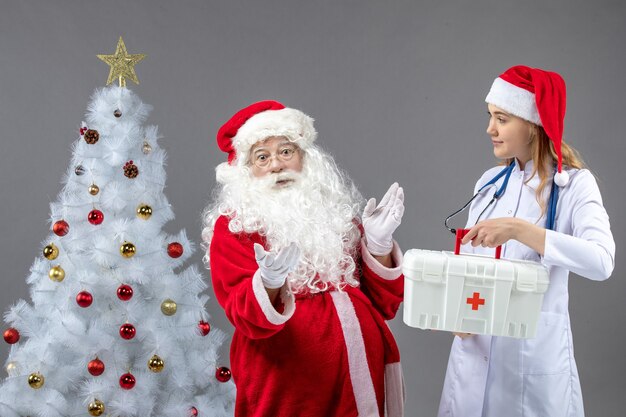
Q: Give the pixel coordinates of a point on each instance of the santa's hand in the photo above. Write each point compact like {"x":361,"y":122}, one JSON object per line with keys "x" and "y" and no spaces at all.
{"x":274,"y":267}
{"x":379,"y":222}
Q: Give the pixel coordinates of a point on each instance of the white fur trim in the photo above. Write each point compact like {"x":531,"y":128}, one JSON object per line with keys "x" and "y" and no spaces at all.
{"x":287,"y":122}
{"x":561,"y":178}
{"x":263,"y":299}
{"x":224,"y":172}
{"x":364,"y":394}
{"x":514,"y":100}
{"x":380,"y":270}
{"x":395,"y":394}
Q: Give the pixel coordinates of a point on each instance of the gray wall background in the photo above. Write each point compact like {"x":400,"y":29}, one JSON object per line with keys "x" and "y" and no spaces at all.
{"x":396,"y":87}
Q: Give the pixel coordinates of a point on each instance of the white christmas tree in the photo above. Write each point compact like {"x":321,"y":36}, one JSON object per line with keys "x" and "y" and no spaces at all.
{"x":115,"y":327}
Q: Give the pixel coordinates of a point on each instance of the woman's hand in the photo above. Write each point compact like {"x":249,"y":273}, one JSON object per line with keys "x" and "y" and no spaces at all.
{"x":495,"y":232}
{"x":491,"y":233}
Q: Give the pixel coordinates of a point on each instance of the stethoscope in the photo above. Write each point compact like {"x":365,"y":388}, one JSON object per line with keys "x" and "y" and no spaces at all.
{"x":506,"y":173}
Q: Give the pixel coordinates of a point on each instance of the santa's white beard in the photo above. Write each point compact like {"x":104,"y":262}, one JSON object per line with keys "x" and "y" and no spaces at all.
{"x":316,"y":208}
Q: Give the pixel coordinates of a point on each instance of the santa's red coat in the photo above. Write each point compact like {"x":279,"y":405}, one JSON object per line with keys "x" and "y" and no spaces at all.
{"x":325,"y":354}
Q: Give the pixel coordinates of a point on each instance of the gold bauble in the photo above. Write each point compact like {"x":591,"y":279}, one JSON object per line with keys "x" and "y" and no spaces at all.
{"x":168,"y":307}
{"x":12,"y":368}
{"x":51,"y":252}
{"x":156,"y":364}
{"x":96,"y":408}
{"x":56,"y":274}
{"x":36,"y":380}
{"x":128,"y":250}
{"x":144,"y":211}
{"x":146,"y":148}
{"x":94,"y":189}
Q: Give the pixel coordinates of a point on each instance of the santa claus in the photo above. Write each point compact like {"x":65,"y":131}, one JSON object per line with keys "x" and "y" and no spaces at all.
{"x":306,"y":278}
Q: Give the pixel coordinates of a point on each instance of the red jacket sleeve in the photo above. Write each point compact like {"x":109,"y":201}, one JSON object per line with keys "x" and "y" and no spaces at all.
{"x":238,"y":286}
{"x":383,"y":286}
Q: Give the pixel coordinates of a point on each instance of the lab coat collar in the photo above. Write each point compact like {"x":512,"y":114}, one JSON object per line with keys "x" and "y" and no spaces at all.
{"x":528,"y":169}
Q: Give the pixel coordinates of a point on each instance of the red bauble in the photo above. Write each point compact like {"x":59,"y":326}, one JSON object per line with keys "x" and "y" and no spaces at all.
{"x":223,"y":374}
{"x":11,"y":335}
{"x":124,"y":292}
{"x":83,"y":130}
{"x":127,"y":331}
{"x":95,"y":217}
{"x":193,"y":412}
{"x":127,"y":381}
{"x":204,"y":327}
{"x":61,"y":228}
{"x":84,"y":299}
{"x":175,"y":249}
{"x":95,"y":367}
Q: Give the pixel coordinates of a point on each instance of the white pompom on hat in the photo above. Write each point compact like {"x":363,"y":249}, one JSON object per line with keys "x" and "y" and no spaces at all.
{"x":537,"y":96}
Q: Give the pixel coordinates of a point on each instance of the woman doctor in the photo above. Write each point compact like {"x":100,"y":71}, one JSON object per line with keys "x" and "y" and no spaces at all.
{"x":501,"y":376}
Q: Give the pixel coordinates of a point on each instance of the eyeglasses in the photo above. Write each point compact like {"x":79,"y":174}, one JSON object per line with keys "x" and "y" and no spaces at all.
{"x":285,"y":153}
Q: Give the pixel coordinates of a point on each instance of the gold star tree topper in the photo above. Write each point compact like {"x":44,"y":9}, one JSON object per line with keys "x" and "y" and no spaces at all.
{"x":122,"y":64}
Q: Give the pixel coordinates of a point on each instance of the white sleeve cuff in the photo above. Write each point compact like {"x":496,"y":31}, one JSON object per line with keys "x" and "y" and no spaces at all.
{"x":377,"y":268}
{"x":268,"y":309}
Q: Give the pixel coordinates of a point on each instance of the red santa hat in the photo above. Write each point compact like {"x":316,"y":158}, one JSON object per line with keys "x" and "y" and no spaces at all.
{"x":537,"y":96}
{"x":260,"y":121}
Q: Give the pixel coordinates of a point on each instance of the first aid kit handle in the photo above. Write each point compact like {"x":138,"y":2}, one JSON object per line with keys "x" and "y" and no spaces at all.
{"x":460,"y":234}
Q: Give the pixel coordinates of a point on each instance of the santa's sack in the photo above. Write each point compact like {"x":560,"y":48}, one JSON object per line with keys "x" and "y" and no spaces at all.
{"x":472,"y":293}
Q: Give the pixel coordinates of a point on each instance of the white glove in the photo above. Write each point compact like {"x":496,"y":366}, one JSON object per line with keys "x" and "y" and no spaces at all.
{"x":379,"y":222}
{"x":274,"y":267}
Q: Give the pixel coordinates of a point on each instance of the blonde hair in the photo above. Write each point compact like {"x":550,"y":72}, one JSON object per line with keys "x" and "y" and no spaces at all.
{"x":544,"y":159}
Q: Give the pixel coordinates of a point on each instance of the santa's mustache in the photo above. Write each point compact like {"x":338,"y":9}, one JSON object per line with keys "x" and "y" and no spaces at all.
{"x":287,"y":176}
{"x":273,"y":179}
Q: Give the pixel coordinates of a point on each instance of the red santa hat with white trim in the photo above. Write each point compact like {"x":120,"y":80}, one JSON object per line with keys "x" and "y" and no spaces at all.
{"x":260,"y":121}
{"x":537,"y":96}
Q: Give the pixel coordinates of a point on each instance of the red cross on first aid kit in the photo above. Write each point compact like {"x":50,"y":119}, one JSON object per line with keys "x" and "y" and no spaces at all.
{"x":472,"y":293}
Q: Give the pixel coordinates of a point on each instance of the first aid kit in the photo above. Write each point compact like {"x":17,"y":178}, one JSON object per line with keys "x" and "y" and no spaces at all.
{"x":470,"y":293}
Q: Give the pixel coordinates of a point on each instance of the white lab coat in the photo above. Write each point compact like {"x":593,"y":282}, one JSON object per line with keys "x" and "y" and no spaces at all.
{"x":506,"y":377}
